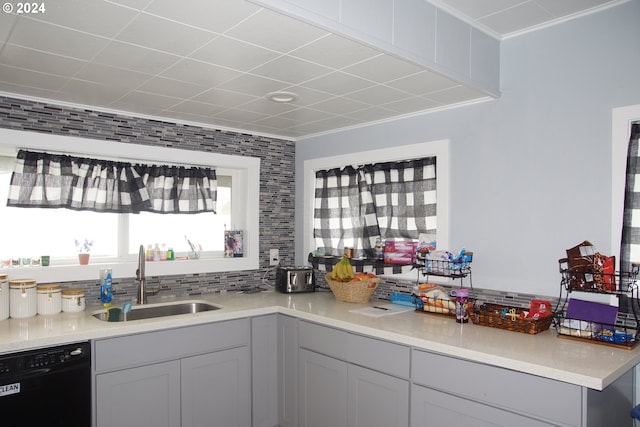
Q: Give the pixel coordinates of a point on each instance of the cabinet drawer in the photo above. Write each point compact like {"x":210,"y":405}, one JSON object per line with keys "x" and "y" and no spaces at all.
{"x":526,"y":394}
{"x":365,"y":351}
{"x":142,"y":349}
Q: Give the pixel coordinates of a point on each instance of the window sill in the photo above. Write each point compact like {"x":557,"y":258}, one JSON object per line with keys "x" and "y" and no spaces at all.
{"x":127,"y":269}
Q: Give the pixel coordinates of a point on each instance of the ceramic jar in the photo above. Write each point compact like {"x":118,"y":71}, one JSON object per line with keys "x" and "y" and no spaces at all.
{"x":73,"y":300}
{"x":4,"y":296}
{"x":23,"y":301}
{"x":49,"y":299}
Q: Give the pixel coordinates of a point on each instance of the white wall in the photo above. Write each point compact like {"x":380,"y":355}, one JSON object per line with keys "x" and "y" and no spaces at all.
{"x":531,"y":171}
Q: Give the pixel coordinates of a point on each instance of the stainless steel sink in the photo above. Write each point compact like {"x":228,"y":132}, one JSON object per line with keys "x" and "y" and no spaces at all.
{"x":150,"y":311}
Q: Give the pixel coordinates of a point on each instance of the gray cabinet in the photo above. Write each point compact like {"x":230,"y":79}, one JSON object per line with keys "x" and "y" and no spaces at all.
{"x":146,"y":396}
{"x":451,"y":391}
{"x":215,"y":389}
{"x":194,"y":376}
{"x":350,"y":380}
{"x":287,"y":367}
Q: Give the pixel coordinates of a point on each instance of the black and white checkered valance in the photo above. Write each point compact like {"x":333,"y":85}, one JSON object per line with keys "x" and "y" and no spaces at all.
{"x":630,"y":245}
{"x":43,"y":180}
{"x":355,"y":206}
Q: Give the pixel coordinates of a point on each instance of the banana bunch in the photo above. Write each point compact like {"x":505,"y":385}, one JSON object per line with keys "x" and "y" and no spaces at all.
{"x":342,"y":271}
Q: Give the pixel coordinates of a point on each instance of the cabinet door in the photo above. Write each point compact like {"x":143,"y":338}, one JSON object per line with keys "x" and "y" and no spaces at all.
{"x":376,"y":399}
{"x":148,"y":396}
{"x":431,"y":408}
{"x":216,"y":389}
{"x":322,"y":384}
{"x":264,"y":368}
{"x":287,"y":371}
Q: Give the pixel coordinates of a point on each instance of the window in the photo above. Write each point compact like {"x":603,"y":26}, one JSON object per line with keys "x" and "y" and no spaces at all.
{"x":622,"y":118}
{"x":50,"y":228}
{"x":355,"y":206}
{"x":118,"y":236}
{"x":439,"y":149}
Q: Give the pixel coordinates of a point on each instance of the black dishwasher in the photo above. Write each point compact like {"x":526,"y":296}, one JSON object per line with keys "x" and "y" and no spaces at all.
{"x":47,"y":387}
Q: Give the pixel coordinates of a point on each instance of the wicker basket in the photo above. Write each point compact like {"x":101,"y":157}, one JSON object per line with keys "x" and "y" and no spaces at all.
{"x":360,"y":291}
{"x":492,"y":315}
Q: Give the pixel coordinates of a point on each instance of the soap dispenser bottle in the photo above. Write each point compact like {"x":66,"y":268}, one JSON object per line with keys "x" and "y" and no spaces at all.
{"x":106,"y":291}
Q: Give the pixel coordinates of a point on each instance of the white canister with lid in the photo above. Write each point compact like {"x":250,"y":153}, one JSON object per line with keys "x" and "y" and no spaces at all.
{"x":49,"y":299}
{"x":73,"y":300}
{"x":4,"y":296}
{"x":22,"y":298}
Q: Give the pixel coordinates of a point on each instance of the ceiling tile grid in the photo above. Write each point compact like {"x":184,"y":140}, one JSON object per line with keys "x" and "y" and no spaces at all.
{"x":214,"y":63}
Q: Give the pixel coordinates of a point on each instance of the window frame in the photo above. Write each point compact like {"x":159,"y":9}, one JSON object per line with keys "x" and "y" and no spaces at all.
{"x":437,"y":148}
{"x":246,"y":177}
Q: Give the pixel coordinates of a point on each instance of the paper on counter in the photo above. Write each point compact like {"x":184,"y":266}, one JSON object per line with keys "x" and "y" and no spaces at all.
{"x":380,"y":310}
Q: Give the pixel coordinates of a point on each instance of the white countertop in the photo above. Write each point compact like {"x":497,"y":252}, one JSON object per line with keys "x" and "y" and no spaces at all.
{"x":544,"y":354}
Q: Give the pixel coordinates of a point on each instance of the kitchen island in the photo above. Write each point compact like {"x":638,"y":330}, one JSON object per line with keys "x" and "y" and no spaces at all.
{"x":437,"y":341}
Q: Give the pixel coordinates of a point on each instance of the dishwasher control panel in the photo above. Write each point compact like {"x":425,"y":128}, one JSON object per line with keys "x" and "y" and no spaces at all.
{"x":46,"y":358}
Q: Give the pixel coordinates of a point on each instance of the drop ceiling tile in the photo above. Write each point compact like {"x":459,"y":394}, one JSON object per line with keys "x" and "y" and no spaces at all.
{"x":291,"y":70}
{"x":526,"y":15}
{"x":22,"y":91}
{"x":146,"y":100}
{"x":284,"y":33}
{"x":112,"y":76}
{"x":240,"y":115}
{"x":307,"y":96}
{"x":185,"y":117}
{"x":340,"y":105}
{"x":372,"y":114}
{"x":18,"y":76}
{"x":412,"y":105}
{"x":253,"y":85}
{"x":217,"y":16}
{"x":382,"y":68}
{"x":422,"y":83}
{"x":98,"y":17}
{"x":338,"y":83}
{"x":134,"y":4}
{"x":275,"y":122}
{"x":197,"y":108}
{"x":135,"y":58}
{"x":223,"y":97}
{"x":231,"y":53}
{"x":303,"y":115}
{"x":29,"y":59}
{"x":57,"y":40}
{"x":164,"y":35}
{"x":7,"y":21}
{"x":199,"y":73}
{"x":264,"y":106}
{"x":89,"y":93}
{"x":335,"y":52}
{"x":170,"y":87}
{"x":326,"y":125}
{"x":377,"y":95}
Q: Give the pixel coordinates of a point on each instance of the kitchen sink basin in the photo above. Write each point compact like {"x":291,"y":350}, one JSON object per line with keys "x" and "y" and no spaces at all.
{"x":151,"y":311}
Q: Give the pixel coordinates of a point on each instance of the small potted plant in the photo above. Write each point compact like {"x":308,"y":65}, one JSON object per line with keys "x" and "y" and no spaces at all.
{"x":84,"y":247}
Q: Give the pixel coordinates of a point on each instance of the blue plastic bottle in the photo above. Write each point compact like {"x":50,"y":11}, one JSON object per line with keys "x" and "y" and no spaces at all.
{"x":106,"y":292}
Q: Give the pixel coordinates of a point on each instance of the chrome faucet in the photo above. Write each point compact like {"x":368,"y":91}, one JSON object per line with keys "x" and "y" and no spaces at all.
{"x":140,"y":277}
{"x":142,"y":280}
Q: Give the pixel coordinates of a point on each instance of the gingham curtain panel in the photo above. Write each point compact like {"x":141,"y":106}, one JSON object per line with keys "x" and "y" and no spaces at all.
{"x":43,"y":180}
{"x":356,"y":206}
{"x":630,"y":244}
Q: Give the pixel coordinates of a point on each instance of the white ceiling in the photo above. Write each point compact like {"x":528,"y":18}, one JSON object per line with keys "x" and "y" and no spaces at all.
{"x":213,"y":62}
